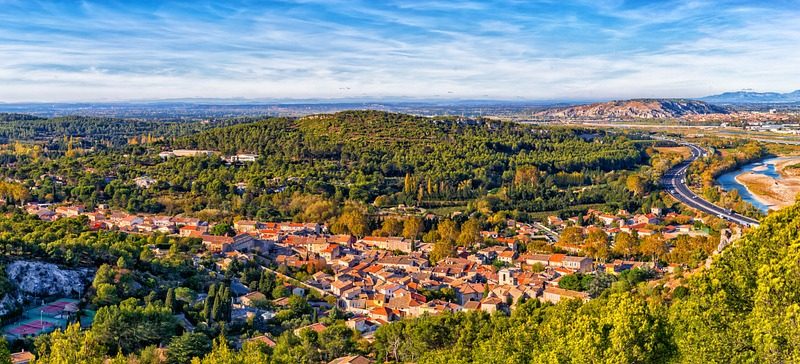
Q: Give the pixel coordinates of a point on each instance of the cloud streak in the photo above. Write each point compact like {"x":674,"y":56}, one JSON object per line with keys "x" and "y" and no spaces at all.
{"x":328,"y":49}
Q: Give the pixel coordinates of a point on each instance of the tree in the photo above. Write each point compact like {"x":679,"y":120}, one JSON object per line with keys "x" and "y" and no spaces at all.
{"x":337,"y":340}
{"x":221,"y":229}
{"x":635,"y":184}
{"x":655,"y":246}
{"x":5,"y":354}
{"x":391,"y":227}
{"x":625,"y":245}
{"x":571,"y":235}
{"x":183,"y":348}
{"x":169,"y":301}
{"x":220,"y":353}
{"x":352,"y":221}
{"x":216,"y":309}
{"x":597,"y":244}
{"x":412,"y":227}
{"x":106,"y":294}
{"x":448,"y":231}
{"x":470,"y":233}
{"x":129,"y":326}
{"x":526,"y":176}
{"x":71,"y":346}
{"x":104,"y":275}
{"x":441,"y":249}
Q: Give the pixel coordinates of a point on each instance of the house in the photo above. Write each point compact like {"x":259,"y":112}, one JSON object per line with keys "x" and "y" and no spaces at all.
{"x":331,"y":252}
{"x":607,"y":219}
{"x":472,"y":306}
{"x":351,"y":359}
{"x":247,"y":243}
{"x":188,"y":221}
{"x":22,"y":357}
{"x":316,"y":327}
{"x":162,"y":221}
{"x":216,"y":244}
{"x":130,"y":221}
{"x":337,"y":287}
{"x":556,"y":260}
{"x":389,"y":243}
{"x":191,"y":231}
{"x":246,"y":226}
{"x":554,"y":221}
{"x":469,"y":292}
{"x":554,"y":295}
{"x":647,"y":219}
{"x":383,"y":313}
{"x":533,"y":259}
{"x":262,"y":339}
{"x":360,"y":324}
{"x":70,"y":211}
{"x":578,"y":264}
{"x":187,"y":153}
{"x":507,"y":256}
{"x":253,"y":299}
{"x":243,"y":158}
{"x":144,"y":182}
{"x":492,"y":304}
{"x":46,"y":215}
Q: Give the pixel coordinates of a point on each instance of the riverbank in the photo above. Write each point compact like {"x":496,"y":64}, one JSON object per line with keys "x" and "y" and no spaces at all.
{"x":775,"y":192}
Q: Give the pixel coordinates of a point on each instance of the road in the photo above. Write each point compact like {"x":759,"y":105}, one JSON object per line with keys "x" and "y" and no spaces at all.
{"x":549,"y":234}
{"x":674,"y":181}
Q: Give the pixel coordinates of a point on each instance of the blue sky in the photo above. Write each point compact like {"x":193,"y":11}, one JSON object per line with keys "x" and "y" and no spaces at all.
{"x":119,"y":50}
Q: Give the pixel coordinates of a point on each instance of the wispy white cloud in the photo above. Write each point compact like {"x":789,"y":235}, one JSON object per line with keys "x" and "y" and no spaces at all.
{"x":308,"y":48}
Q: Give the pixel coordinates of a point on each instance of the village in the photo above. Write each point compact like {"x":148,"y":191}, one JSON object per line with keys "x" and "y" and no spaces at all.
{"x":380,"y":279}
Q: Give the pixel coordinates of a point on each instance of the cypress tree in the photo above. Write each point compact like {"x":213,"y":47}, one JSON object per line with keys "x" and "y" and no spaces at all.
{"x":169,"y":301}
{"x":216,"y":310}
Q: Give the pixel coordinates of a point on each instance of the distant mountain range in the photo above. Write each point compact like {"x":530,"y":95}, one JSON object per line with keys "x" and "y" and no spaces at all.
{"x":634,"y":109}
{"x":750,"y":97}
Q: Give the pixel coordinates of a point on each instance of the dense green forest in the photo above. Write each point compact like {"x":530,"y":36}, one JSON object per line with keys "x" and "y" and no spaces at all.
{"x":111,"y":131}
{"x":365,"y":156}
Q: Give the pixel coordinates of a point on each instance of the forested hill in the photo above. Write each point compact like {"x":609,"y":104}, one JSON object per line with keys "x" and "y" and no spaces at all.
{"x":28,"y":128}
{"x":16,"y":117}
{"x":400,"y":143}
{"x":744,"y":309}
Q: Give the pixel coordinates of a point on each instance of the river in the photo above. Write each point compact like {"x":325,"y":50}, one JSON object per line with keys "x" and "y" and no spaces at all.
{"x":766,"y":167}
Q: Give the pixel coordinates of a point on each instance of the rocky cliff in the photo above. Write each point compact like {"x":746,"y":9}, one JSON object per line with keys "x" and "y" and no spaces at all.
{"x":634,"y":109}
{"x":33,"y":279}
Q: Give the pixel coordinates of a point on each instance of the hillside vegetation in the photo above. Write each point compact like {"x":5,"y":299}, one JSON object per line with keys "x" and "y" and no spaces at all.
{"x":364,"y":155}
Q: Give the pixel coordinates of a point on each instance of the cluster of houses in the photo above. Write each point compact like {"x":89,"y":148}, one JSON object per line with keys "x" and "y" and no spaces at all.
{"x":641,"y":225}
{"x":384,"y":279}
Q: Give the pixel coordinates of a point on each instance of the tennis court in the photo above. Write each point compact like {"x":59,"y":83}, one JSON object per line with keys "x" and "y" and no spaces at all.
{"x":41,"y":319}
{"x":57,"y":307}
{"x":29,"y":327}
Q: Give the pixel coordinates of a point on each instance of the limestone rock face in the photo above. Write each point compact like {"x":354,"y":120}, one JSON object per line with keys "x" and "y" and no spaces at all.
{"x":33,"y":279}
{"x":634,"y":109}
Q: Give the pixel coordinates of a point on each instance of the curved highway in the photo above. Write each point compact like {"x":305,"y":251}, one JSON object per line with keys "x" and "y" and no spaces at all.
{"x":674,"y":181}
